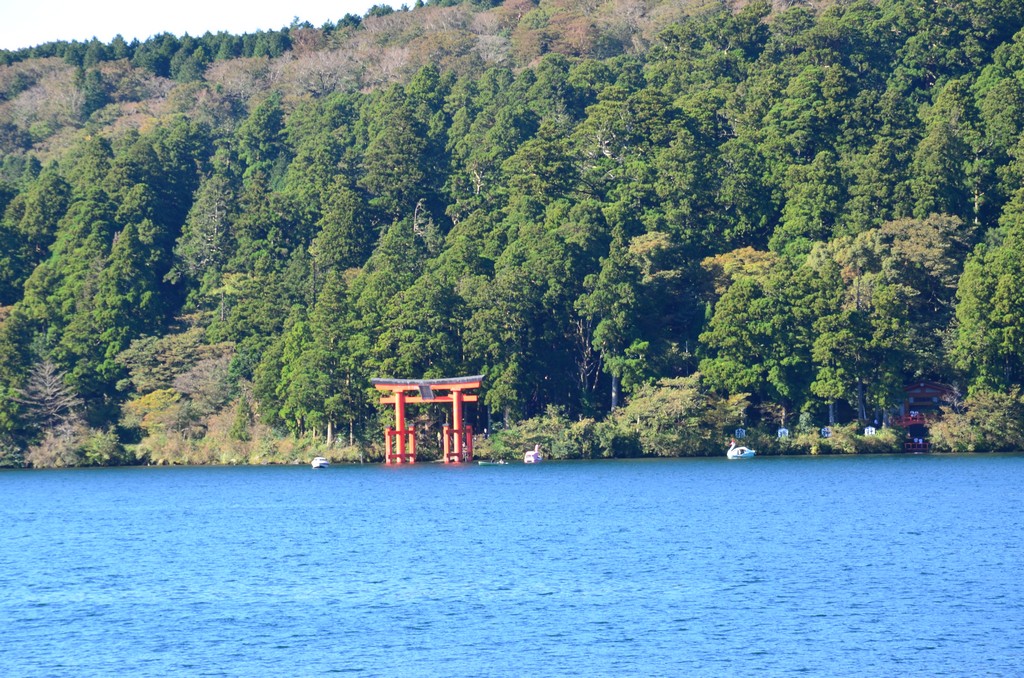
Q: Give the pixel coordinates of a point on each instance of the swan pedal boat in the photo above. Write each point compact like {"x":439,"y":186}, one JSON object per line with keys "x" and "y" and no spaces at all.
{"x":741,"y":452}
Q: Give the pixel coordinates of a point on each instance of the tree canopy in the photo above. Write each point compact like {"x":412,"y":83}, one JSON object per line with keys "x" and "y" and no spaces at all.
{"x":788,"y":211}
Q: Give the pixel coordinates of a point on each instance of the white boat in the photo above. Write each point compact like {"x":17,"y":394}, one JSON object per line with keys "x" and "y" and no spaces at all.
{"x":320,"y":462}
{"x":534,"y":456}
{"x":740,"y":452}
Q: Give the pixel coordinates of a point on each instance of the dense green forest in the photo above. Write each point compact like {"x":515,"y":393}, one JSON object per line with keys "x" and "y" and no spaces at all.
{"x":645,"y":223}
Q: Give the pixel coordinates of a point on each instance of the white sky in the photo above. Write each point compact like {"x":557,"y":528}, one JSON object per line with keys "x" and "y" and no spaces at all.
{"x":27,"y":23}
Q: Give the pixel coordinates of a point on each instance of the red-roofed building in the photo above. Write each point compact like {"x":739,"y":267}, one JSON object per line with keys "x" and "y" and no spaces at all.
{"x":921,"y":402}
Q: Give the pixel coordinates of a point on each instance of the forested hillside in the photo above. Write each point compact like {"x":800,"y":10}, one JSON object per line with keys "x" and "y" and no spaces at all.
{"x":645,"y":223}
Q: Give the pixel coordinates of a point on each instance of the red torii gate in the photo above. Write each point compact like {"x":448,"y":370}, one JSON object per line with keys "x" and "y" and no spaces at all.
{"x":400,"y":442}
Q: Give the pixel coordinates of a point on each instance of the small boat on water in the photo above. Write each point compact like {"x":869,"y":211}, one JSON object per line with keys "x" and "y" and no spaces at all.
{"x":740,"y":452}
{"x":500,"y":462}
{"x":534,"y":456}
{"x":320,"y":462}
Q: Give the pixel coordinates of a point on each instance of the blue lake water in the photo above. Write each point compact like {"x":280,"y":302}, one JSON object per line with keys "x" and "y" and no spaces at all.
{"x":865,"y":566}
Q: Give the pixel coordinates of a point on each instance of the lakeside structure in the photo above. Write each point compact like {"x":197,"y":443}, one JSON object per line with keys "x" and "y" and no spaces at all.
{"x":921,"y":404}
{"x":400,"y":441}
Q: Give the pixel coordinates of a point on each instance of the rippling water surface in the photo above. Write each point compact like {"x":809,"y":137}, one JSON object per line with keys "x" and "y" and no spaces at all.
{"x":884,"y":566}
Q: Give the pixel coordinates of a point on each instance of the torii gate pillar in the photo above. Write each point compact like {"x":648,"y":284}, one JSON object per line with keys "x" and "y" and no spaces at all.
{"x":400,"y":442}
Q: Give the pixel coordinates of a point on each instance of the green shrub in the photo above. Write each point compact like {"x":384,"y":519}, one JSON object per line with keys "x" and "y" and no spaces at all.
{"x":988,"y":421}
{"x":102,"y":448}
{"x":558,"y":436}
{"x":845,"y":439}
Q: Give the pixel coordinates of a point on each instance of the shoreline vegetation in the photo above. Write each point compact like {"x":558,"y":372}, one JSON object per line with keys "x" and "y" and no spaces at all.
{"x":621,"y":436}
{"x":645,"y":224}
{"x":289,"y":452}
